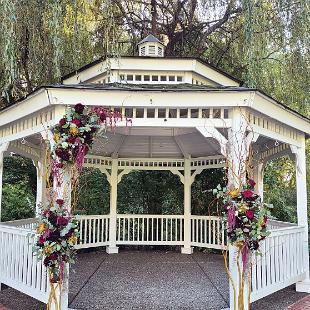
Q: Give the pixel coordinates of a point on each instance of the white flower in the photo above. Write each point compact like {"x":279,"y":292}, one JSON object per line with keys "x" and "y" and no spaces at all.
{"x":87,"y":128}
{"x":64,"y":145}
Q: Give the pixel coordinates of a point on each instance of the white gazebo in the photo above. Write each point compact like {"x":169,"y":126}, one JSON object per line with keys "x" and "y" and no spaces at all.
{"x":186,"y":116}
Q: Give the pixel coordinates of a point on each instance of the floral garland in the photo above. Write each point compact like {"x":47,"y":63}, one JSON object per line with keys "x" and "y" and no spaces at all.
{"x":245,"y":218}
{"x":57,"y":231}
{"x":75,"y":132}
{"x":57,"y":235}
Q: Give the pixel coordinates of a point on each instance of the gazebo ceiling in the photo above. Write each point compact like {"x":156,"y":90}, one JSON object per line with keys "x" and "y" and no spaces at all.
{"x":154,"y":143}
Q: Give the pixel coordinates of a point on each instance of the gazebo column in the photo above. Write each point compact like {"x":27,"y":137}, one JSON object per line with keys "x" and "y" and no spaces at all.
{"x":3,"y":149}
{"x":41,"y":185}
{"x":258,"y":176}
{"x":302,"y":214}
{"x":187,"y":249}
{"x":112,"y":248}
{"x":61,"y":190}
{"x":237,"y":154}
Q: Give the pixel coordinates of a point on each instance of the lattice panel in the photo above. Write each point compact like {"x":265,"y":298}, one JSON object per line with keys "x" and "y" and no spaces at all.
{"x":154,"y":164}
{"x":272,"y":125}
{"x":273,"y":151}
{"x":27,"y":123}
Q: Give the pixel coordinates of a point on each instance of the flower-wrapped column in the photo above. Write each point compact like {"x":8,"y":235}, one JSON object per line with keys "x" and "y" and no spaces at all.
{"x":237,"y":154}
{"x":244,"y":214}
{"x":58,"y":231}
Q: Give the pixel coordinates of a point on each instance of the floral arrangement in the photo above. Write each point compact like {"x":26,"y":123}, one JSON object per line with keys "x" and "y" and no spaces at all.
{"x":74,"y":134}
{"x":245,"y":217}
{"x":57,"y":235}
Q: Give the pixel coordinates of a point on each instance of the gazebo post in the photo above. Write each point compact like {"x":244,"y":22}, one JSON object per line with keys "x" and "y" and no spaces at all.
{"x":3,"y":149}
{"x":112,"y":248}
{"x":41,"y":185}
{"x":258,"y":176}
{"x":237,"y":154}
{"x":187,"y":249}
{"x":302,"y":214}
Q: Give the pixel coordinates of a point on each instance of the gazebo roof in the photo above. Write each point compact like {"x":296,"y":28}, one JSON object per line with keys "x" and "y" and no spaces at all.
{"x":150,"y":38}
{"x":158,"y":61}
{"x":168,"y":117}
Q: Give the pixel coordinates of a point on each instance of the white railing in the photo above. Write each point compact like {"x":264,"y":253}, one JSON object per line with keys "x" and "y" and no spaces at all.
{"x":207,"y":232}
{"x":275,"y":224}
{"x":94,"y":231}
{"x":150,"y":229}
{"x":281,"y":263}
{"x":19,"y":267}
{"x":24,"y":223}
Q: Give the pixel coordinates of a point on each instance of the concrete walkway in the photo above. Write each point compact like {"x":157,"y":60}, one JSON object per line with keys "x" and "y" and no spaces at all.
{"x":149,"y":280}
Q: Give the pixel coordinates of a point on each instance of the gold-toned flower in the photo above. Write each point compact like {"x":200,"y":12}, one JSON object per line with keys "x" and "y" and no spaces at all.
{"x":72,"y":240}
{"x":234,"y":192}
{"x":74,"y":130}
{"x":41,"y":228}
{"x":240,"y":244}
{"x":243,"y":208}
{"x":48,"y":250}
{"x":56,"y":136}
{"x":261,"y":222}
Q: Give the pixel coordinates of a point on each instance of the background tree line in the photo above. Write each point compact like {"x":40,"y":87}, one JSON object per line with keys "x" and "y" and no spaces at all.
{"x":265,"y":43}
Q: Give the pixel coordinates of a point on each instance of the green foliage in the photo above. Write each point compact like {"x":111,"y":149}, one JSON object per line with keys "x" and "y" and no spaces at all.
{"x":18,"y":202}
{"x":203,"y":202}
{"x":19,"y":188}
{"x":20,"y":170}
{"x":94,"y":192}
{"x":147,"y":192}
{"x":154,"y":192}
{"x":280,"y":189}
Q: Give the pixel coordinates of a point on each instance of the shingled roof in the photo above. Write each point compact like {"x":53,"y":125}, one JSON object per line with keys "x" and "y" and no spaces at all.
{"x":150,"y":38}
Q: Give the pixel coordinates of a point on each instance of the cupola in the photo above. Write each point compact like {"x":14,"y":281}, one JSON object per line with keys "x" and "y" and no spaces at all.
{"x":151,"y":46}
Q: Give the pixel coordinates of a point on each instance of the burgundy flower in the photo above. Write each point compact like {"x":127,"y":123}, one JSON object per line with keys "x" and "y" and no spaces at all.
{"x":60,"y":202}
{"x":65,"y":155}
{"x":58,"y":152}
{"x":247,"y":193}
{"x":41,"y":240}
{"x":250,"y":214}
{"x":77,"y":122}
{"x":54,"y":235}
{"x":49,"y":260}
{"x":62,"y":122}
{"x":62,"y":221}
{"x":52,"y":217}
{"x":103,"y":117}
{"x":79,"y":108}
{"x":251,"y":182}
{"x":71,"y":140}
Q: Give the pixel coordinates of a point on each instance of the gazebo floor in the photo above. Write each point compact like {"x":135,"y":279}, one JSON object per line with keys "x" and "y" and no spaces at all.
{"x":149,"y":280}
